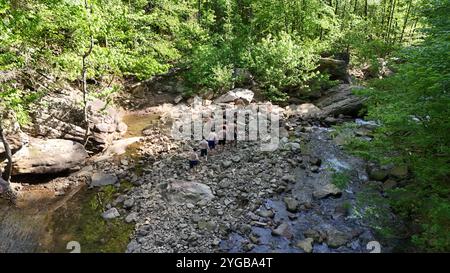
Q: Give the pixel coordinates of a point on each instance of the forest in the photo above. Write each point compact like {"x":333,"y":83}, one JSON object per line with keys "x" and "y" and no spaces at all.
{"x":398,"y":51}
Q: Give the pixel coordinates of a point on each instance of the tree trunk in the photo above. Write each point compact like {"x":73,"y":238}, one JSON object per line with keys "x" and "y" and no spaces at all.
{"x":390,"y":22}
{"x":8,"y":170}
{"x":83,"y":78}
{"x":366,"y":8}
{"x":405,"y":23}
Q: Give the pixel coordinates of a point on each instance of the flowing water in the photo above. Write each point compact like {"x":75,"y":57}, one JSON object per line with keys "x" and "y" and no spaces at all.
{"x":43,"y":222}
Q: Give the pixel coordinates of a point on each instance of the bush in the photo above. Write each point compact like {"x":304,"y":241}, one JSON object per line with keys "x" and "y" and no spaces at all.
{"x":280,"y":62}
{"x":412,"y":107}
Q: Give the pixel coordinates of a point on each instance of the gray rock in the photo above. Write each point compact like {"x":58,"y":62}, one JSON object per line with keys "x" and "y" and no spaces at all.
{"x":378,"y":174}
{"x":293,"y":146}
{"x":132,"y":217}
{"x":389,"y":184}
{"x":327,"y":190}
{"x":305,"y":244}
{"x":178,"y":99}
{"x":235,"y":94}
{"x":400,"y":172}
{"x":282,"y":230}
{"x":291,"y":204}
{"x":336,"y":238}
{"x":48,"y":156}
{"x":111,"y":214}
{"x":100,"y":179}
{"x":226,"y":163}
{"x":288,"y":178}
{"x":314,"y":169}
{"x":192,"y":192}
{"x":340,"y":100}
{"x":236,"y":159}
{"x":129,"y":203}
{"x":265,"y":213}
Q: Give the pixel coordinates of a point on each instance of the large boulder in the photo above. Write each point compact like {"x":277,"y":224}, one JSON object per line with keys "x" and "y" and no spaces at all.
{"x":337,"y":69}
{"x":48,"y":156}
{"x":340,"y":100}
{"x":61,"y":115}
{"x":15,"y":141}
{"x":235,"y":94}
{"x":304,"y":111}
{"x":191,"y":192}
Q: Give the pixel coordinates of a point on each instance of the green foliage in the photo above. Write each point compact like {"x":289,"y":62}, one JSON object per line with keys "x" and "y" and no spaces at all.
{"x":281,"y":62}
{"x":128,"y":39}
{"x":340,"y":179}
{"x":413,"y":108}
{"x":376,"y":212}
{"x":18,"y":101}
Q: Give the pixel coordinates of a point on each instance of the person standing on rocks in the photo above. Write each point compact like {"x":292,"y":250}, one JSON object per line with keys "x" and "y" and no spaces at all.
{"x":232,"y":133}
{"x":204,"y":147}
{"x":223,"y":137}
{"x":212,"y":140}
{"x":193,"y":158}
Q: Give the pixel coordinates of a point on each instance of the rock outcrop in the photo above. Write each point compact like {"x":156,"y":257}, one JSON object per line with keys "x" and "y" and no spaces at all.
{"x":48,"y":156}
{"x":60,"y":115}
{"x":337,"y":69}
{"x":340,"y":100}
{"x":235,"y":94}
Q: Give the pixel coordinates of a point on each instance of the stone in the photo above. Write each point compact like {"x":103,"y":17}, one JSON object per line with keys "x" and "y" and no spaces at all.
{"x":399,"y":172}
{"x":265,"y":213}
{"x":119,"y":147}
{"x":57,"y":116}
{"x":336,"y":238}
{"x":337,"y":69}
{"x":305,"y":244}
{"x":15,"y":141}
{"x":307,"y":110}
{"x":178,"y":99}
{"x":236,"y":159}
{"x":293,"y":146}
{"x":132,"y":217}
{"x":238,"y":93}
{"x":378,"y":174}
{"x":326,"y":190}
{"x":315,"y":161}
{"x":291,"y":204}
{"x":192,"y":192}
{"x":100,"y":179}
{"x":105,"y":127}
{"x":129,"y":203}
{"x":314,"y":169}
{"x":282,"y":230}
{"x":3,"y":185}
{"x":48,"y":156}
{"x":317,"y":235}
{"x":111,"y":214}
{"x":389,"y":184}
{"x":122,"y":127}
{"x":207,"y":225}
{"x":226,"y":163}
{"x":288,"y":178}
{"x":340,"y":100}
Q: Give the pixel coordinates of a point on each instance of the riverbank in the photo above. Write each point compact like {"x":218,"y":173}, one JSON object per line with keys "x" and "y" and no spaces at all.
{"x":142,"y":197}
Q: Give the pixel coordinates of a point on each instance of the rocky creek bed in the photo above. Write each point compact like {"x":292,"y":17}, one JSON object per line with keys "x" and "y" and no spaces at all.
{"x":138,"y":195}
